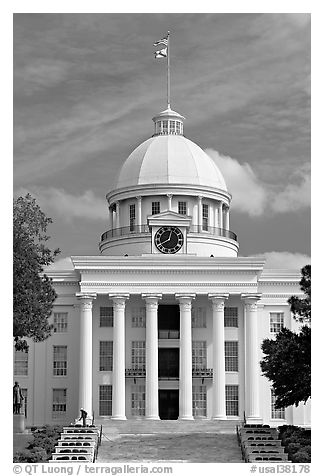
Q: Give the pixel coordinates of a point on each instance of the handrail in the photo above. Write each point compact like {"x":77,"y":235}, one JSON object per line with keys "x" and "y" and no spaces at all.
{"x":139,"y":229}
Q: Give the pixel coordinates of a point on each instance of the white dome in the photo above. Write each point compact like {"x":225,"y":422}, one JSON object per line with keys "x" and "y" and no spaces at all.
{"x":170,"y":159}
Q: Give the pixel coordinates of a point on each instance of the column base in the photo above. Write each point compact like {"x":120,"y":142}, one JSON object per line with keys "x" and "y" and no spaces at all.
{"x":219,"y":417}
{"x":184,"y":418}
{"x":152,"y":418}
{"x":121,"y":417}
{"x":254,"y":420}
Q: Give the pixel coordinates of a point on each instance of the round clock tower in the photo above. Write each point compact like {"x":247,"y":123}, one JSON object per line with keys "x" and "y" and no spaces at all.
{"x":170,"y":199}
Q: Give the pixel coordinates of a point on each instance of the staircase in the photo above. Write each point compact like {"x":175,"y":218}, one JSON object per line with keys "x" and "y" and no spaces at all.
{"x":78,"y":444}
{"x":260,"y":443}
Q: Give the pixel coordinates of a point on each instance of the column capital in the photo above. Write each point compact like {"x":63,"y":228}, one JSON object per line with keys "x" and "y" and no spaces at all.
{"x":200,"y":197}
{"x":169,"y":195}
{"x":218,"y":300}
{"x":139,"y":198}
{"x":151,"y":296}
{"x":85,"y":300}
{"x":250,"y":300}
{"x":185,"y":296}
{"x":119,"y":299}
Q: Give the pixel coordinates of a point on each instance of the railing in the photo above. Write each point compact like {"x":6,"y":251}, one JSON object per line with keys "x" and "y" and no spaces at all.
{"x":172,"y":373}
{"x":213,"y":231}
{"x":138,"y":229}
{"x":169,"y":334}
{"x":125,"y":230}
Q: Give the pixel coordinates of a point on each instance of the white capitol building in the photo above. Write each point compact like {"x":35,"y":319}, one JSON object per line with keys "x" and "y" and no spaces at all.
{"x":167,"y":321}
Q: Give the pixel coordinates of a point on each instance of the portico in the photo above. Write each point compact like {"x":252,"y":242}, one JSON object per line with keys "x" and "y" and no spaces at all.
{"x":214,"y":376}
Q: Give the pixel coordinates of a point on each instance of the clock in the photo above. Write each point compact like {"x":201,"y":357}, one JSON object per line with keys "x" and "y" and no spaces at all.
{"x":168,"y":239}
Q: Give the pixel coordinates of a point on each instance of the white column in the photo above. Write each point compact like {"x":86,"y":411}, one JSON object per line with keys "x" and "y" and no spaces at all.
{"x":216,"y":219}
{"x":110,"y":218}
{"x":220,"y":215}
{"x":169,"y":195}
{"x":139,"y":212}
{"x":200,"y":219}
{"x":85,"y":368}
{"x":118,"y":391}
{"x":151,"y":361}
{"x":117,"y":215}
{"x":227,"y":218}
{"x":185,"y":378}
{"x":252,"y":370}
{"x":219,"y":403}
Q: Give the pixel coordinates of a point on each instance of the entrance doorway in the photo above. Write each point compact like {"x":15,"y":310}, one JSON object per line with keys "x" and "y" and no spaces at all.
{"x":169,"y":321}
{"x":169,"y":363}
{"x":169,"y":404}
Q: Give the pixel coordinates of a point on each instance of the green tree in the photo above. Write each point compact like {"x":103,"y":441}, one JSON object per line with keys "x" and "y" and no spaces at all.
{"x":33,"y":293}
{"x":287,"y":358}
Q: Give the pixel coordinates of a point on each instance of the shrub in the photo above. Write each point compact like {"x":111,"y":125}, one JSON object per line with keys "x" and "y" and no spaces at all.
{"x":34,"y":455}
{"x":42,"y":446}
{"x":301,"y":456}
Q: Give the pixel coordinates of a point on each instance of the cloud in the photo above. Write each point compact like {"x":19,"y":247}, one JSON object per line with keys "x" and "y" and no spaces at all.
{"x":67,"y":205}
{"x":62,"y":263}
{"x":253,"y":196}
{"x":249,"y":194}
{"x":295,"y":195}
{"x":284,"y":259}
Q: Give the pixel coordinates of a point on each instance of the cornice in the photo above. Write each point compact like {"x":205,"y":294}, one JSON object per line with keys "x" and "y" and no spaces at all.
{"x":160,"y":262}
{"x":164,"y":189}
{"x":152,"y":284}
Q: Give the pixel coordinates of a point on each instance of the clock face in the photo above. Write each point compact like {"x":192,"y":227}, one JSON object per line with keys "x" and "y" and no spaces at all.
{"x":169,"y":239}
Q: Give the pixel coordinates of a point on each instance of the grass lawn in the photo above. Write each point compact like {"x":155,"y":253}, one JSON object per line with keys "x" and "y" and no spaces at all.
{"x":190,"y":448}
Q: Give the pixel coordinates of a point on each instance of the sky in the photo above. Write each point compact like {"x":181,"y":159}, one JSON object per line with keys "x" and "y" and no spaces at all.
{"x":87,"y":85}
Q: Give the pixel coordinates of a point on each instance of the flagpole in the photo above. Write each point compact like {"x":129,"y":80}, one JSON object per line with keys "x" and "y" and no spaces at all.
{"x":168,"y":72}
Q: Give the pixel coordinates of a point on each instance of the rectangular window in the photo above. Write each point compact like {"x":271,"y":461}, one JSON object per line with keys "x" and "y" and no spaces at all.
{"x":182,"y":208}
{"x":205,"y":217}
{"x":178,"y":127}
{"x":199,"y":400}
{"x":106,"y":317}
{"x":276,"y":413}
{"x":198,"y":317}
{"x":172,"y":127}
{"x":21,"y":363}
{"x":232,"y":400}
{"x":199,"y":355}
{"x":138,"y":317}
{"x":59,"y":402}
{"x":106,"y":355}
{"x":138,"y":355}
{"x":276,"y":322}
{"x":231,"y":317}
{"x":60,"y":360}
{"x":231,"y":356}
{"x":138,"y":400}
{"x":60,"y":322}
{"x":132,"y":217}
{"x":155,"y":208}
{"x":105,"y":400}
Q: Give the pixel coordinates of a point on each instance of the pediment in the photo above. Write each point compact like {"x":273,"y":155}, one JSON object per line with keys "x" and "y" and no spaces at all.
{"x":169,"y":218}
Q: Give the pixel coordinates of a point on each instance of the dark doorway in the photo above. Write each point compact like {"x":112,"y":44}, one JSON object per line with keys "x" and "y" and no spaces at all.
{"x":169,"y":317}
{"x":169,"y":404}
{"x":169,"y":363}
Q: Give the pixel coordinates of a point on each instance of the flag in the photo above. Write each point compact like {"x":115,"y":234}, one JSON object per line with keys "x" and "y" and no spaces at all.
{"x":161,"y":53}
{"x":164,"y":41}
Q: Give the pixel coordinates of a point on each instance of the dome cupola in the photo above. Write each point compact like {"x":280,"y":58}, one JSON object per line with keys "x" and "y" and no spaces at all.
{"x":168,"y":122}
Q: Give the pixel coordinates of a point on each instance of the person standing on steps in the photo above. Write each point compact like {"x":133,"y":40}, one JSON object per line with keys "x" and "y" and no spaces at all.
{"x":83,"y":416}
{"x":17,"y":398}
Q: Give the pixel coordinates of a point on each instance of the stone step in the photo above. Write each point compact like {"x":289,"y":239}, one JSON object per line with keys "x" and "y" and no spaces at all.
{"x":166,"y":426}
